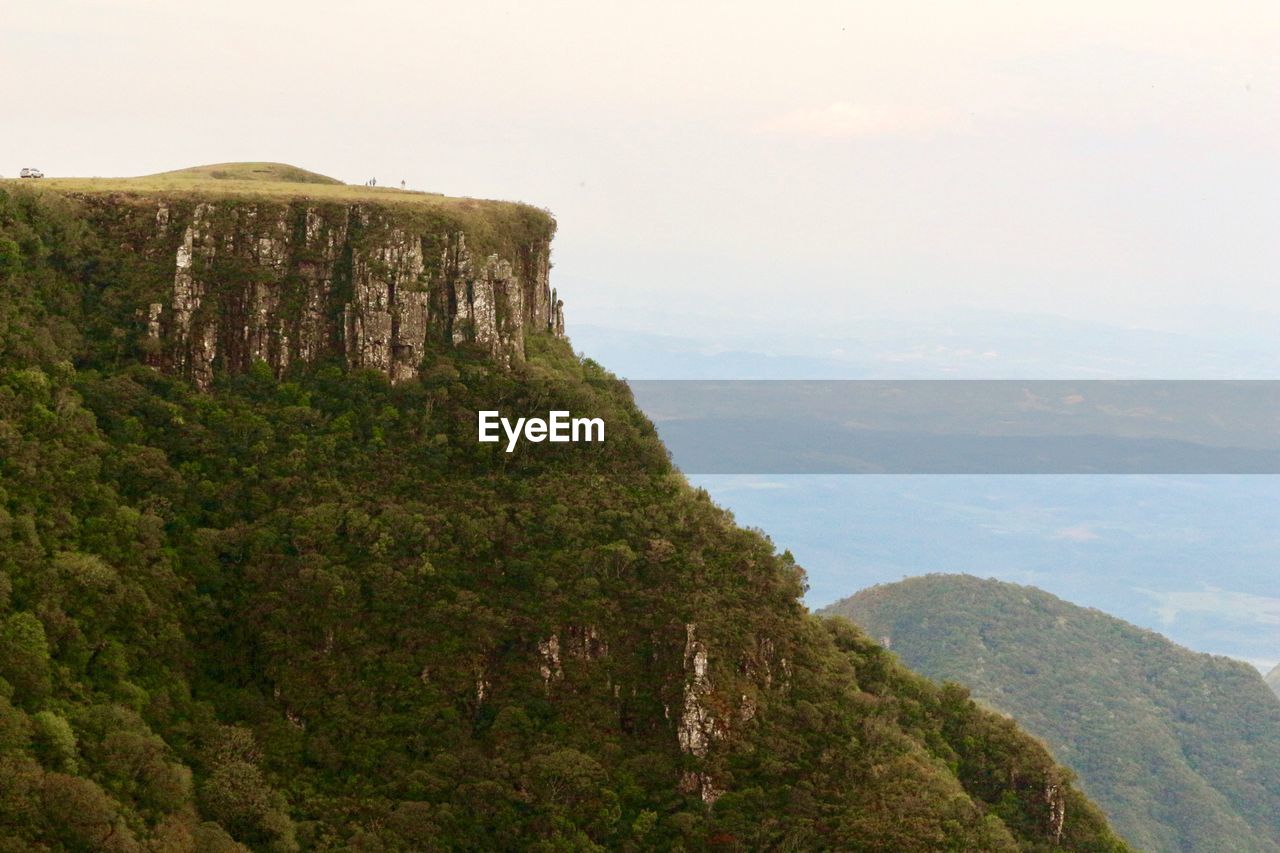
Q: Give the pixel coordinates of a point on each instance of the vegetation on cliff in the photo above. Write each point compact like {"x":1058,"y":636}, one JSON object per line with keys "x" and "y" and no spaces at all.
{"x":309,"y":611}
{"x":491,"y":225}
{"x":1180,"y":748}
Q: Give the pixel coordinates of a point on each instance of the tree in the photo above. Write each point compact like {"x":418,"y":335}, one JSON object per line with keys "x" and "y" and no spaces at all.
{"x":24,"y":658}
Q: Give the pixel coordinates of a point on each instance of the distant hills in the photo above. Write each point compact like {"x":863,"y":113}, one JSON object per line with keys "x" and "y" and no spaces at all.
{"x":1273,"y":679}
{"x":1181,"y":749}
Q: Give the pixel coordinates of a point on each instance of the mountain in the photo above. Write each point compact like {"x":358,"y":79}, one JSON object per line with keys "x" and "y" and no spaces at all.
{"x":1181,"y":749}
{"x":1273,"y":679}
{"x":261,"y":587}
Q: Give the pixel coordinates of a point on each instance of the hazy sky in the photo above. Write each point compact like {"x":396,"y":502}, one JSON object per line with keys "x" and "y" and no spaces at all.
{"x":1114,"y":160}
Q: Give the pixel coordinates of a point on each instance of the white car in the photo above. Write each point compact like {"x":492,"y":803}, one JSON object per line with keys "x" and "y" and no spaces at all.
{"x":31,"y":173}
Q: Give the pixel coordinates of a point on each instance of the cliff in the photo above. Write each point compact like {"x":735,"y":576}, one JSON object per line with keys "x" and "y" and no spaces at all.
{"x":229,"y":272}
{"x":311,"y":612}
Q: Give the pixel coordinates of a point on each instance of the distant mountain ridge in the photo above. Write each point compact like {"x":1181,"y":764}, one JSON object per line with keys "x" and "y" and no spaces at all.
{"x":1181,"y":749}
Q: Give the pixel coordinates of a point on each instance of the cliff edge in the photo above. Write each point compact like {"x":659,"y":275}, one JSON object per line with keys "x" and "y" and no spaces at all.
{"x":312,"y":612}
{"x":237,"y":263}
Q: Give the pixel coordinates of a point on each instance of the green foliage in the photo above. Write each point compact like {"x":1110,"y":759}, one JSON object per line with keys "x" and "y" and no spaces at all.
{"x":314,"y":613}
{"x":24,"y":658}
{"x":1180,"y":748}
{"x":54,"y":742}
{"x":10,"y":257}
{"x":269,"y":172}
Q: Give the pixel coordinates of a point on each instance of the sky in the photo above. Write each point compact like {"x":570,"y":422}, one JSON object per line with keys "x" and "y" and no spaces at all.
{"x":961,"y":189}
{"x":787,"y":165}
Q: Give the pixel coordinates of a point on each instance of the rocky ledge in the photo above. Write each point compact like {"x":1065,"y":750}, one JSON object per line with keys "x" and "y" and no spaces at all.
{"x":234,"y":281}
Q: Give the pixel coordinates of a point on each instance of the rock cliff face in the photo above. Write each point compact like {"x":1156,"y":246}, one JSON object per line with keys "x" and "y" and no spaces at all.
{"x":235,"y":281}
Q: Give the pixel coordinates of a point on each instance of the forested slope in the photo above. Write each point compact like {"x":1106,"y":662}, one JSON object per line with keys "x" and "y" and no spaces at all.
{"x":1182,"y":749}
{"x":304,"y":609}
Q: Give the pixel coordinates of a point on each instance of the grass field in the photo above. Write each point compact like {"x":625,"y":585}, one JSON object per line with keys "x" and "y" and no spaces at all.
{"x":275,"y":180}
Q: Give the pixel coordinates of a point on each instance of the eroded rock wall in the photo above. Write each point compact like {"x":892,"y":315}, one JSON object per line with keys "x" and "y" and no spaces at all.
{"x":240,"y":281}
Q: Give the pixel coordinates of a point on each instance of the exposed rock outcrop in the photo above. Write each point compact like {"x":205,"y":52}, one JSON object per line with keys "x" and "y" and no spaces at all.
{"x":697,"y":725}
{"x":1056,"y":800}
{"x":281,"y":282}
{"x":550,"y":667}
{"x":582,"y":642}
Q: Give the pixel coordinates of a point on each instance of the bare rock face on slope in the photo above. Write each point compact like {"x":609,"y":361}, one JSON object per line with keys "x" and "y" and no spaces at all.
{"x":239,"y":280}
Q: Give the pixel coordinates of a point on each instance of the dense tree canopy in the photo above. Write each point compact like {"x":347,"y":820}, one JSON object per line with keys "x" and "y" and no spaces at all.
{"x":314,"y":613}
{"x":1180,"y":748}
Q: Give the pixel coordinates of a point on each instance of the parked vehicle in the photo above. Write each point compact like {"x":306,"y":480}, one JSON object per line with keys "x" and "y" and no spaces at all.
{"x":30,"y":173}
